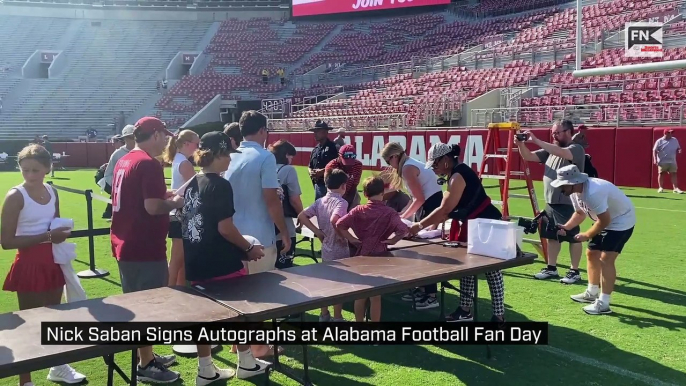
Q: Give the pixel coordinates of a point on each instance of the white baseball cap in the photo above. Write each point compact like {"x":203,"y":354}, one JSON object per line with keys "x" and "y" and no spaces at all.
{"x":127,"y":131}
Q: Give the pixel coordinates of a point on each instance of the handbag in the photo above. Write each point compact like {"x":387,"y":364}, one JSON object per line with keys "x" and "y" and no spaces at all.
{"x":288,"y":210}
{"x":492,"y":238}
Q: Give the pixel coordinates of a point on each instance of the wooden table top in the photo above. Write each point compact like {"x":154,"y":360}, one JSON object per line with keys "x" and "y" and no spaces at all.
{"x":278,"y":293}
{"x":20,"y":331}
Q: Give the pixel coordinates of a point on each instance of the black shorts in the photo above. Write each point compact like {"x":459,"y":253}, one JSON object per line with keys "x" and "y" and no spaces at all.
{"x":431,"y":204}
{"x":610,"y":241}
{"x":175,"y":230}
{"x":559,"y":215}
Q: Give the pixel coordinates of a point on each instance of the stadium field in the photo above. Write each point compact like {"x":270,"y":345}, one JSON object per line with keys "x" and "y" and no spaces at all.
{"x":642,"y":343}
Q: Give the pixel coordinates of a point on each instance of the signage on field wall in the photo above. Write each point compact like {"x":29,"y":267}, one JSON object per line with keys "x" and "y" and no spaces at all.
{"x":643,"y":40}
{"x":472,"y":147}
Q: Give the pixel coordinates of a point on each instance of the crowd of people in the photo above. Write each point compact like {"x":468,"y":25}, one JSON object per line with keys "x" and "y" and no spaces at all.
{"x":238,"y":216}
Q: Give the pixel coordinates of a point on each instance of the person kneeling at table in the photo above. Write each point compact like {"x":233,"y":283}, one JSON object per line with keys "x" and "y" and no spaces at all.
{"x":213,"y":247}
{"x":464,"y":200}
{"x":373,"y":224}
{"x":614,"y":218}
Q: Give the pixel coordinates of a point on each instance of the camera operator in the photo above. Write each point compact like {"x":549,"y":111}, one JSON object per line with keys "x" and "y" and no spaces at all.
{"x":614,"y":218}
{"x":559,"y":210}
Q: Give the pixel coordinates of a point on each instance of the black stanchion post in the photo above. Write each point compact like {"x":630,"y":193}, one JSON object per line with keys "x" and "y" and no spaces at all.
{"x":93,"y":272}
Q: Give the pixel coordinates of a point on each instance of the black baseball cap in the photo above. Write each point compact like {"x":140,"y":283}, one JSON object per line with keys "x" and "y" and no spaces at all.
{"x":216,"y":142}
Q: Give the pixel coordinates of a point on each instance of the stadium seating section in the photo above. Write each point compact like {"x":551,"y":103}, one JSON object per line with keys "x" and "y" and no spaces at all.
{"x":416,"y":70}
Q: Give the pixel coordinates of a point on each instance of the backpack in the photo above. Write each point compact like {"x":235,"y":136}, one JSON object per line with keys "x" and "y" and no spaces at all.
{"x":589,"y":168}
{"x":288,"y":210}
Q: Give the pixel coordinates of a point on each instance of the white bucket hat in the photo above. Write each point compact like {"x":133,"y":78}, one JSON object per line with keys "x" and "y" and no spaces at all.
{"x":569,"y":175}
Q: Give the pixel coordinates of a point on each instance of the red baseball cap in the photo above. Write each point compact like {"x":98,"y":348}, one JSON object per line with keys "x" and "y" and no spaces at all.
{"x":151,"y":125}
{"x":348,"y":154}
{"x":668,"y":131}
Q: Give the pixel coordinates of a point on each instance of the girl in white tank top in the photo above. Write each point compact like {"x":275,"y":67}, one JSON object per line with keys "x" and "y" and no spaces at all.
{"x":428,"y":190}
{"x":28,"y":211}
{"x":178,"y":150}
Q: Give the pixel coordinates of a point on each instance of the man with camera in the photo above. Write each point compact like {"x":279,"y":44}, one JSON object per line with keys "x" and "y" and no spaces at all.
{"x":559,"y":209}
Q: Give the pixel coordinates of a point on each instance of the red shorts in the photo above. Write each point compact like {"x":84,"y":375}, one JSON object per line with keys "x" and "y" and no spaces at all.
{"x":234,"y":275}
{"x":34,"y":270}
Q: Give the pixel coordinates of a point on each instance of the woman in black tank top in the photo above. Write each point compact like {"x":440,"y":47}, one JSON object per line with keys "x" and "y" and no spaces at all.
{"x":465,"y":199}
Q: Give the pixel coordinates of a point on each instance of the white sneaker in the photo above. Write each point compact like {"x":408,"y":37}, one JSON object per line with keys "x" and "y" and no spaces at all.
{"x":585,"y":297}
{"x":597,"y":308}
{"x":210,"y":374}
{"x":28,"y":384}
{"x":260,"y":367}
{"x":338,"y":320}
{"x":65,"y":374}
{"x":660,"y":190}
{"x":678,"y":191}
{"x":546,"y":274}
{"x":427,"y":303}
{"x":571,"y":277}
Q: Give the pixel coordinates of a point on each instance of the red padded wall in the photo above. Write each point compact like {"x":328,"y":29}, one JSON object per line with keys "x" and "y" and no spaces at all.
{"x":632,"y":161}
{"x":97,"y":154}
{"x":621,"y":155}
{"x":602,"y":150}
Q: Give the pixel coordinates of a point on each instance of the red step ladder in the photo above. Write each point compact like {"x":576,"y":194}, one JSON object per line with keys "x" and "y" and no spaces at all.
{"x":503,"y":172}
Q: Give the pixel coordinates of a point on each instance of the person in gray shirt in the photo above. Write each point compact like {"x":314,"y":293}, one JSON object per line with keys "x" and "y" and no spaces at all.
{"x":559,"y":209}
{"x":129,"y":144}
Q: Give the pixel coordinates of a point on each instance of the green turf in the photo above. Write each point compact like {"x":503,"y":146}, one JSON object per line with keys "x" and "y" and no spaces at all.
{"x":642,"y":343}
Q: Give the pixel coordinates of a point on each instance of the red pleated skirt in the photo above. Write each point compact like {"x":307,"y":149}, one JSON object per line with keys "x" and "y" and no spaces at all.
{"x":34,"y":270}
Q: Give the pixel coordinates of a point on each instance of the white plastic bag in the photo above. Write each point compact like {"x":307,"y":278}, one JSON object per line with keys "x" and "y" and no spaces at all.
{"x":492,"y":238}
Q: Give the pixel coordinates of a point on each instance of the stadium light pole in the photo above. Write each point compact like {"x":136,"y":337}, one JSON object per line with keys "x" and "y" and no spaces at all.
{"x":579,"y":37}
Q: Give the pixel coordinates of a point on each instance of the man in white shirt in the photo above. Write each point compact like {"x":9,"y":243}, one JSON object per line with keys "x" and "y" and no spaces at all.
{"x":614,"y":218}
{"x":129,"y":144}
{"x":252,"y":172}
{"x":664,"y":157}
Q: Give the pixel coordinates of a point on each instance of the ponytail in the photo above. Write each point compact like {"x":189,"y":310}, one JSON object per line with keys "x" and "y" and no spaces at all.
{"x":177,"y":142}
{"x":455,"y":153}
{"x":170,"y":150}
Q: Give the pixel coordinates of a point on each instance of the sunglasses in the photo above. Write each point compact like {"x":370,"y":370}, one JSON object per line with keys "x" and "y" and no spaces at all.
{"x":349,"y":156}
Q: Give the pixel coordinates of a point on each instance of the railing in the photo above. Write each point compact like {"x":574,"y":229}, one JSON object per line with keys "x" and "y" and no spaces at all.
{"x":349,"y":122}
{"x":611,"y":85}
{"x":357,"y":73}
{"x":603,"y":114}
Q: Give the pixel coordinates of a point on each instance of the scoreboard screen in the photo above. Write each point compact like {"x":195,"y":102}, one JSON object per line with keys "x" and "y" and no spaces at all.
{"x":324,"y":7}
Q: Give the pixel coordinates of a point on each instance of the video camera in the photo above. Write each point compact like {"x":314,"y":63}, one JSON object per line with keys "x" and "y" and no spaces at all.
{"x":531,"y":226}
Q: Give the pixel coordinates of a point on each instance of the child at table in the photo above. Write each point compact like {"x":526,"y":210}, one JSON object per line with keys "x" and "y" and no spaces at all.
{"x":213,"y":247}
{"x":393,"y":197}
{"x":328,"y":210}
{"x":28,"y":210}
{"x":373,"y":223}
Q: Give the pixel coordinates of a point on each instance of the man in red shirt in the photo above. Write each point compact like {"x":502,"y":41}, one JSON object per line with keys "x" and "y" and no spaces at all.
{"x":347,"y":162}
{"x":140,"y":222}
